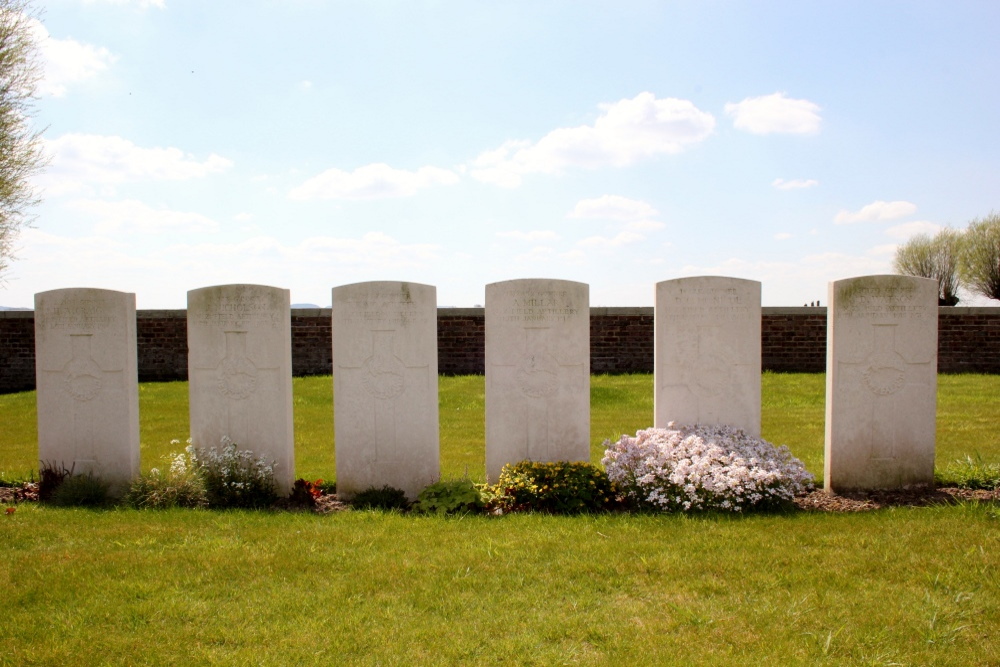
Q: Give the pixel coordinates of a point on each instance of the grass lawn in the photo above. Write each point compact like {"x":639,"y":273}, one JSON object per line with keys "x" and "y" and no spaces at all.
{"x":896,"y":586}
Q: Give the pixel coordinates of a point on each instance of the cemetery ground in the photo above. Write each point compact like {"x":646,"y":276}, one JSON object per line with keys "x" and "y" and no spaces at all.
{"x":899,"y":585}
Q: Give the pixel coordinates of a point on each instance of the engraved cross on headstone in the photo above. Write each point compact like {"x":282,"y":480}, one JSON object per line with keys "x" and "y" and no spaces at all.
{"x":240,"y":388}
{"x":88,"y":387}
{"x":385,"y":378}
{"x":539,"y":378}
{"x":699,"y":377}
{"x":879,"y":382}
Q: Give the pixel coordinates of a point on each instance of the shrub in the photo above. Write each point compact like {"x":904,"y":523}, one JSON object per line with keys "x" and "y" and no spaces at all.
{"x":81,"y":491}
{"x":450,"y":497}
{"x":179,"y":487}
{"x":971,"y":473}
{"x":559,"y":487}
{"x":234,"y":477}
{"x":703,"y":468}
{"x":385,"y":498}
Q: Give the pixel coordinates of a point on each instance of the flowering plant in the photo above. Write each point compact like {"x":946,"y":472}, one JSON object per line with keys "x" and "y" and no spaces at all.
{"x":559,"y":487}
{"x":234,"y":477}
{"x":703,"y":468}
{"x":179,"y":486}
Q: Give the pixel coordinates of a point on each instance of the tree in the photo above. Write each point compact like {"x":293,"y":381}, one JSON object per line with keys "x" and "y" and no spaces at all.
{"x":934,"y":257}
{"x":980,"y":259}
{"x":21,"y":154}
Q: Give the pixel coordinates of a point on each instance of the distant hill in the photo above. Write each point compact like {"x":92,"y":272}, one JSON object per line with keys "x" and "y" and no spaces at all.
{"x":8,"y":308}
{"x":304,"y":305}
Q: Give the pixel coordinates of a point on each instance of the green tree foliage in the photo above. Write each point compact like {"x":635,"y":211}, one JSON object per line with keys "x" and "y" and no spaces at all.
{"x":934,"y":257}
{"x":20,"y":145}
{"x":980,"y":258}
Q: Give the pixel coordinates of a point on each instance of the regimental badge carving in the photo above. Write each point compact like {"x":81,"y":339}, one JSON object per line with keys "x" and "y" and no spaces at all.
{"x":82,"y":375}
{"x":538,"y":375}
{"x":384,"y":373}
{"x":885,"y":369}
{"x":237,"y":375}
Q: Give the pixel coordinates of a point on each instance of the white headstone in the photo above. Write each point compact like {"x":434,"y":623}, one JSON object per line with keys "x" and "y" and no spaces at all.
{"x":881,"y":382}
{"x":86,"y":374}
{"x":707,"y":351}
{"x":537,"y":372}
{"x":240,"y":372}
{"x":385,"y":386}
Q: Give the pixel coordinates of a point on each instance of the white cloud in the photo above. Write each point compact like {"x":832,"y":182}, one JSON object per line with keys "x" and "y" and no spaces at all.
{"x":373,"y":181}
{"x":79,"y":160}
{"x":67,"y":61}
{"x":243,"y":216}
{"x":627,"y":131}
{"x":907,"y":229}
{"x":613,"y":207}
{"x":534,"y":235}
{"x":775,"y":113}
{"x":876,"y":212}
{"x":134,"y":216}
{"x":782,"y":236}
{"x":305,"y":85}
{"x":794,"y":184}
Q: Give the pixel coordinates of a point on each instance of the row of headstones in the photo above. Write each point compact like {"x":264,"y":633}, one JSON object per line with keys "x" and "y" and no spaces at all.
{"x":880,"y":398}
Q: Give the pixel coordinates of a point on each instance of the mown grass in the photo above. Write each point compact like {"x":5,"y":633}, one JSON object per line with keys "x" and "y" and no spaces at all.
{"x":897,"y":586}
{"x":901,"y":586}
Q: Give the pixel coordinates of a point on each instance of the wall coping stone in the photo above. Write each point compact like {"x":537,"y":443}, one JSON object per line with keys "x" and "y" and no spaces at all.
{"x":595,"y":311}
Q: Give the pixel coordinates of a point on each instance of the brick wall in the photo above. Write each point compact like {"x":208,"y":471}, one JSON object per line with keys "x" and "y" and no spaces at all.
{"x":793,"y":340}
{"x":621,"y":341}
{"x":17,"y":350}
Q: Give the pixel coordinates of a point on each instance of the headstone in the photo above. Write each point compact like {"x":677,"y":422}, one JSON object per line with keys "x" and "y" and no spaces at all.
{"x":707,"y":352}
{"x":537,"y":372}
{"x":87,"y":383}
{"x":240,"y":372}
{"x":385,"y":383}
{"x":881,"y":383}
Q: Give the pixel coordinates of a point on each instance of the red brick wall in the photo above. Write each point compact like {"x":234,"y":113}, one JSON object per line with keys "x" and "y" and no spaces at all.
{"x":793,"y":340}
{"x":621,"y":341}
{"x":17,"y":351}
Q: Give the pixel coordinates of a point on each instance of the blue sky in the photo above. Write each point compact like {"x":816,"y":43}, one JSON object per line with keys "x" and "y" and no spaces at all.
{"x":308,"y":144}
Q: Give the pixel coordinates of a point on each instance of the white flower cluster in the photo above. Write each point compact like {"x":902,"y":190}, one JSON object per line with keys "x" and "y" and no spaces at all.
{"x":233,"y":477}
{"x":703,"y":467}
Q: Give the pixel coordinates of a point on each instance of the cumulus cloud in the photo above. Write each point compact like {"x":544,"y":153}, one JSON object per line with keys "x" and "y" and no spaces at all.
{"x":613,"y":207}
{"x":794,"y":184}
{"x":135,"y":216}
{"x":782,"y":236}
{"x":534,"y":235}
{"x":908,"y":229}
{"x":627,"y":131}
{"x":79,"y":160}
{"x":67,"y":61}
{"x":373,"y":181}
{"x":876,"y":212}
{"x":775,"y":114}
